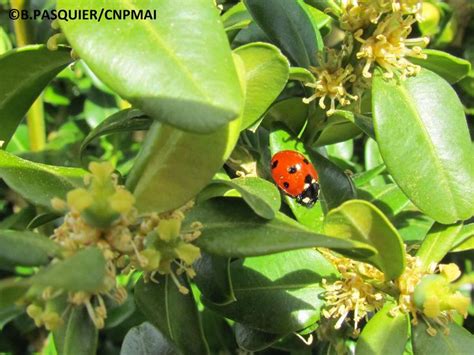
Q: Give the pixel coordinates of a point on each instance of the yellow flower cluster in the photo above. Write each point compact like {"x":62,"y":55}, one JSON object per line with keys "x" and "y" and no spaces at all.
{"x":356,"y":293}
{"x":381,"y":29}
{"x":363,"y":290}
{"x":102,"y":214}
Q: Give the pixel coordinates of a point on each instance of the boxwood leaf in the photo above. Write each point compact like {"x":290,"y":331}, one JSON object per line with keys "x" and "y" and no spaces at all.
{"x":74,"y":273}
{"x":439,"y":241}
{"x":213,"y":278}
{"x":384,"y":333}
{"x":425,"y":112}
{"x":458,"y":341}
{"x":261,"y":195}
{"x":360,"y":220}
{"x":123,"y":121}
{"x":77,"y":335}
{"x":288,"y":25}
{"x":174,"y":314}
{"x":279,"y":293}
{"x":24,"y":248}
{"x":232,"y":229}
{"x":388,"y":198}
{"x":446,"y":65}
{"x":252,"y":340}
{"x":266,"y":74}
{"x":177,"y":73}
{"x":145,"y":339}
{"x":36,"y":182}
{"x":25,"y":72}
{"x":11,"y":290}
{"x":173,"y":166}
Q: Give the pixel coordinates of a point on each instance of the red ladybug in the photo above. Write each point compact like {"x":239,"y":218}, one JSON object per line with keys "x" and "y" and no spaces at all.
{"x":296,"y":176}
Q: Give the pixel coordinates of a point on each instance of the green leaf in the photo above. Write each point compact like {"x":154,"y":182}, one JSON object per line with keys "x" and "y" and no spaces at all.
{"x":9,"y":313}
{"x":369,"y":176}
{"x":5,"y":43}
{"x":412,"y":226}
{"x":231,"y":229}
{"x":38,"y":183}
{"x":174,"y":314}
{"x":458,"y":341}
{"x":424,"y":112}
{"x":337,"y":129}
{"x":279,"y":293}
{"x":361,"y":221}
{"x":291,"y":112}
{"x":446,"y":65}
{"x":384,"y":333}
{"x":288,"y":25}
{"x":24,"y":248}
{"x":145,"y":339}
{"x":123,"y":121}
{"x":252,"y":340}
{"x":388,"y":198}
{"x":336,"y":186}
{"x":262,"y":196}
{"x":182,"y":77}
{"x":12,"y":290}
{"x":25,"y":72}
{"x":301,"y":74}
{"x":218,"y":332}
{"x":213,"y":278}
{"x":74,"y":273}
{"x":236,"y":17}
{"x":266,"y":74}
{"x":439,"y":241}
{"x":77,"y":335}
{"x":173,"y":165}
{"x":363,"y":122}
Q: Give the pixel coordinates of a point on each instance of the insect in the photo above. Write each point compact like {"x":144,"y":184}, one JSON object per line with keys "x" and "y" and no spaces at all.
{"x":296,"y":176}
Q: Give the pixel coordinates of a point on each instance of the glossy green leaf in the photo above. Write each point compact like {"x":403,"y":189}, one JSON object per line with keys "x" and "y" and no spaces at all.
{"x":123,"y":121}
{"x":11,"y":290}
{"x":324,"y":5}
{"x":458,"y":341}
{"x":213,"y":278}
{"x":77,"y":335}
{"x":364,"y":123}
{"x":38,"y":183}
{"x":361,"y":221}
{"x":384,"y":333}
{"x":231,"y":229}
{"x":439,"y":241}
{"x":414,"y":113}
{"x":446,"y":65}
{"x":236,"y":17}
{"x":24,"y":248}
{"x":279,"y":293}
{"x":266,"y":74}
{"x":291,"y":112}
{"x":261,"y":195}
{"x":173,"y":165}
{"x":412,"y":226}
{"x":145,"y":339}
{"x":388,"y":198}
{"x":369,"y":176}
{"x":25,"y":72}
{"x":218,"y":332}
{"x":372,"y":158}
{"x":174,"y":314}
{"x":337,"y":130}
{"x":178,"y":72}
{"x":251,"y":340}
{"x":288,"y":25}
{"x":74,"y":273}
{"x":5,"y":43}
{"x":301,"y":74}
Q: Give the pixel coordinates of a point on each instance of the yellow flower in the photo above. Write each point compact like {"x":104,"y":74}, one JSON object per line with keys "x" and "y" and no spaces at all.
{"x":389,"y":46}
{"x":331,"y":82}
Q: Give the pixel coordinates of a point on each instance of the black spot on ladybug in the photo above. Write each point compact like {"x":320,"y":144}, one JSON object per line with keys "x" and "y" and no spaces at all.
{"x":306,"y":161}
{"x":274,"y":164}
{"x":310,"y":194}
{"x":287,"y":185}
{"x":308,"y":179}
{"x":292,"y":169}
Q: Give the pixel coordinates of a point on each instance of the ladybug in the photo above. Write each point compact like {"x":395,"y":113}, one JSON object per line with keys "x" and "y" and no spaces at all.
{"x":296,"y":176}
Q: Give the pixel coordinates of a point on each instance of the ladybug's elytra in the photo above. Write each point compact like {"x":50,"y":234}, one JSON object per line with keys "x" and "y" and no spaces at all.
{"x":296,"y":176}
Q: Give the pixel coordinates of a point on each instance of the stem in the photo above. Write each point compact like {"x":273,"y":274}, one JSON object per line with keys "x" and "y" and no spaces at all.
{"x":35,"y":116}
